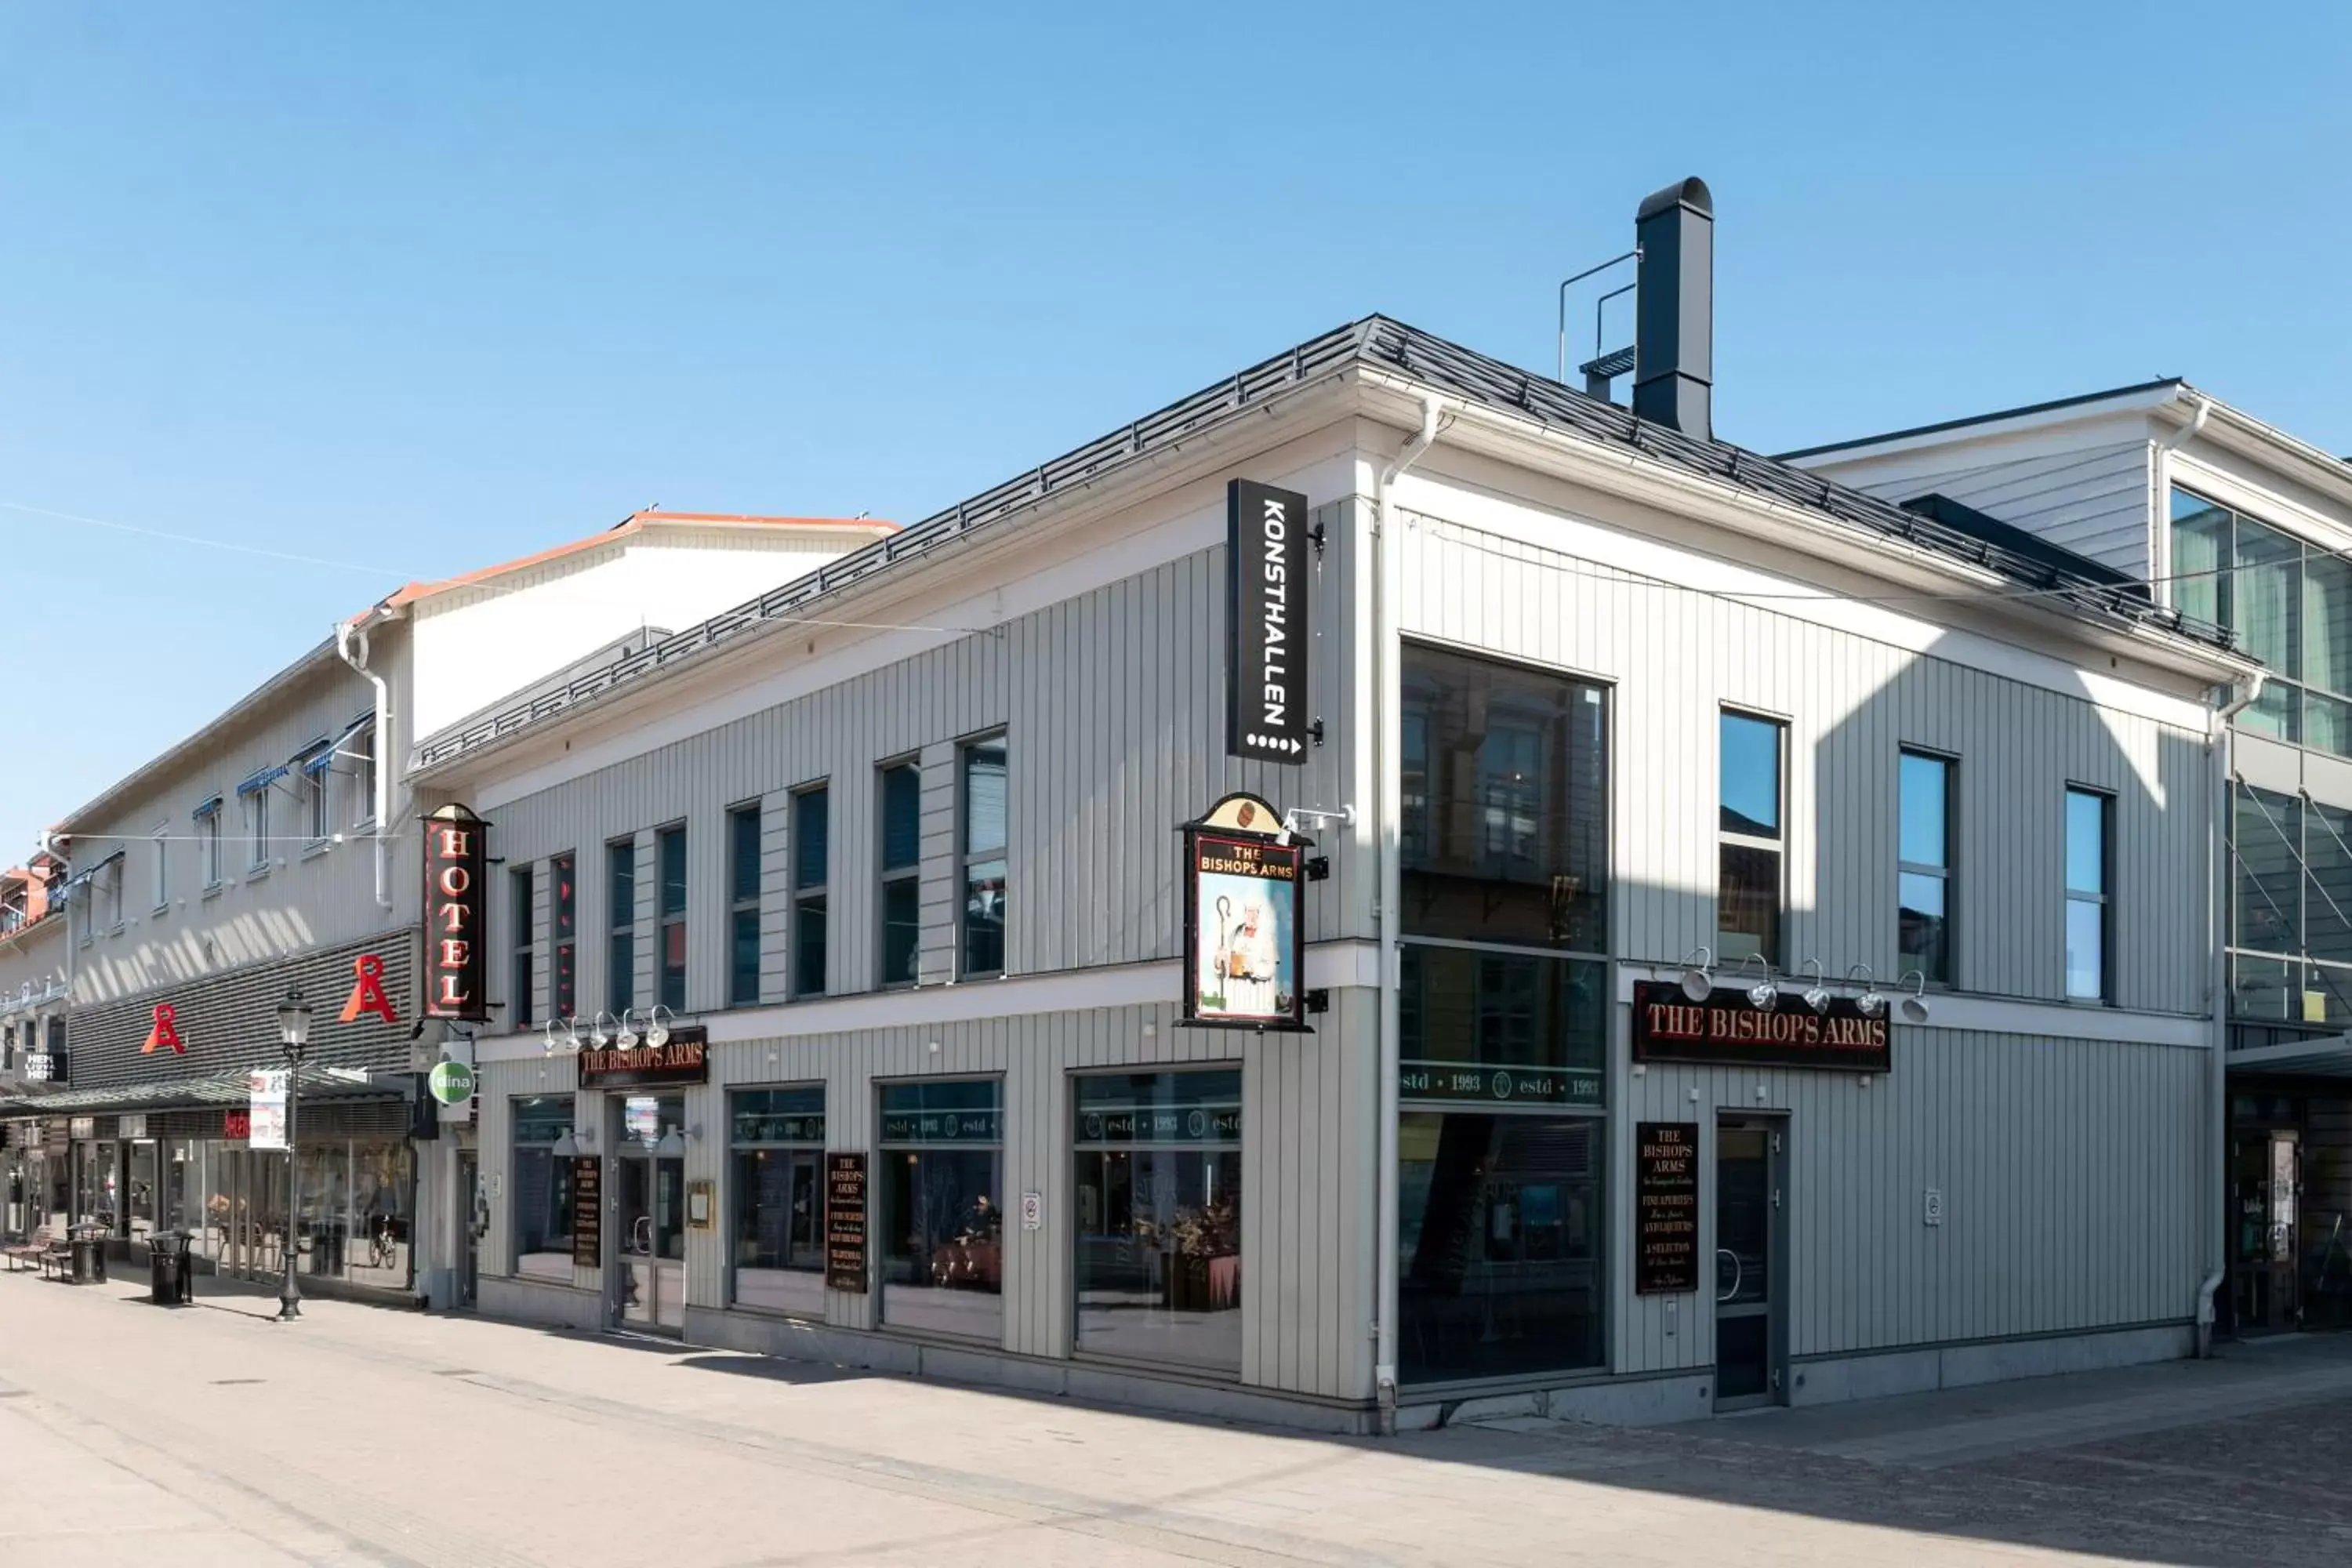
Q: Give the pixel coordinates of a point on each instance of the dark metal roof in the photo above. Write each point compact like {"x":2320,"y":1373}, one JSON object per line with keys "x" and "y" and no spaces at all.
{"x":1390,"y":346}
{"x":1996,"y":414}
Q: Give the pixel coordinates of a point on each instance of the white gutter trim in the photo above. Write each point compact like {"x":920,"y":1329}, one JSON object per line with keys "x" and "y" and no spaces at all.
{"x":2217,"y":1083}
{"x":1388,"y":676}
{"x":348,"y":634}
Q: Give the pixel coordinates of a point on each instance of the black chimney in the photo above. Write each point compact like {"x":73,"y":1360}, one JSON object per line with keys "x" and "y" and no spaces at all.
{"x":1673,"y":310}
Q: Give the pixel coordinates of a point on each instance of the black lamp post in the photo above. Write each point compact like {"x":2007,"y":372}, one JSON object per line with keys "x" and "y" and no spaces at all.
{"x":294,"y":1030}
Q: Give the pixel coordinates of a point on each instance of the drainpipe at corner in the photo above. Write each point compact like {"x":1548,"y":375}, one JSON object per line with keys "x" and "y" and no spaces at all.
{"x":352,"y":642}
{"x":1388,"y":678}
{"x":2217,"y":1231}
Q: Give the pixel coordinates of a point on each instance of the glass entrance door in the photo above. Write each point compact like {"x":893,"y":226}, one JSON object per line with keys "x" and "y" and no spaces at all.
{"x":649,"y":1209}
{"x":1750,"y":1341}
{"x":2266,"y":1179}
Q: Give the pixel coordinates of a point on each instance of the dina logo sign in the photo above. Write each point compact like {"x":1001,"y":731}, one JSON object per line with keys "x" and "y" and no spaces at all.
{"x":455,"y":961}
{"x":1270,"y":567}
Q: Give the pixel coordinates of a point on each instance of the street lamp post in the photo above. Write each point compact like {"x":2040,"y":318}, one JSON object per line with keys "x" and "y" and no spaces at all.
{"x":294,"y":1031}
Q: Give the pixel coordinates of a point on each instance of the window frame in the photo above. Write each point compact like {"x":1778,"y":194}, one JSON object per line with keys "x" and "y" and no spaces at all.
{"x":806,"y":895}
{"x":664,"y":917}
{"x":2304,"y":692}
{"x":888,"y":878}
{"x":207,"y":819}
{"x":1777,"y":846}
{"x":317,"y":813}
{"x":256,"y":814}
{"x":1946,"y":873}
{"x":362,"y":754}
{"x":739,"y":903}
{"x":522,"y":894}
{"x":620,"y":927}
{"x":162,"y":839}
{"x":563,"y":946}
{"x":2105,"y":898}
{"x":968,"y":858}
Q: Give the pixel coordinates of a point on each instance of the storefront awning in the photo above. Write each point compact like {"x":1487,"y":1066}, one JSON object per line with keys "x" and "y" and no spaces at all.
{"x":2323,"y":1056}
{"x":226,"y":1087}
{"x":261,"y":781}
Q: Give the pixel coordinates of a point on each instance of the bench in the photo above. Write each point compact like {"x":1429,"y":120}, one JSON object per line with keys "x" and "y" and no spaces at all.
{"x":32,"y":1250}
{"x":57,"y":1262}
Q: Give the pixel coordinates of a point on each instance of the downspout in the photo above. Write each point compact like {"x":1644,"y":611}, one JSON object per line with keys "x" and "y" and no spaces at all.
{"x":352,"y":644}
{"x":1388,"y":682}
{"x":2225,"y":712}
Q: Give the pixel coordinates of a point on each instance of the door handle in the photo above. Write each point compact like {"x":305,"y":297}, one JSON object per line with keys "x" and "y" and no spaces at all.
{"x":1738,"y":1274}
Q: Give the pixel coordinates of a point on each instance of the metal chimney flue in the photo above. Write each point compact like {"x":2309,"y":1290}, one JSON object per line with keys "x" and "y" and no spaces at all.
{"x":1673,"y":311}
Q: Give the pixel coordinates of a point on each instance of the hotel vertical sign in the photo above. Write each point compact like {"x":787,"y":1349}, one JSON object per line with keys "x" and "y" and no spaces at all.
{"x":1268,"y":567}
{"x":456,"y":966}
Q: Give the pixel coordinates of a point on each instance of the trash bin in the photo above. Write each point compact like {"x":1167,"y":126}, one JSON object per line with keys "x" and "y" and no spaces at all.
{"x":89,"y":1243}
{"x":167,"y":1268}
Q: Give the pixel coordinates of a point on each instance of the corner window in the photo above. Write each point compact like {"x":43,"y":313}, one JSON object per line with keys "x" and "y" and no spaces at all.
{"x":621,"y":943}
{"x":563,"y":983}
{"x":543,"y":1212}
{"x":942,"y":1172}
{"x":2291,"y":604}
{"x":811,"y":809}
{"x":519,"y":899}
{"x":983,"y":857}
{"x":743,"y":906}
{"x":2089,"y":896}
{"x":777,"y":1139}
{"x":1750,"y":838}
{"x":670,"y":847}
{"x":1923,"y":879}
{"x":902,"y":854}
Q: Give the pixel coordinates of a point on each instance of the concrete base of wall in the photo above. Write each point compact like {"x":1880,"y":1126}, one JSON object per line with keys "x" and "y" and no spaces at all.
{"x":1835,"y":1379}
{"x":1621,"y":1402}
{"x":550,"y":1305}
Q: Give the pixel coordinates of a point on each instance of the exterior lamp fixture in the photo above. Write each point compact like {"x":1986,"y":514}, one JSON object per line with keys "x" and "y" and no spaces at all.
{"x":671,"y":1143}
{"x":598,"y":1035}
{"x":1914,"y":1007}
{"x":626,"y":1037}
{"x":1817,"y":994}
{"x":657,"y":1027}
{"x":566,"y":1147}
{"x":1870,"y":1004}
{"x":1698,"y":978}
{"x":1763,"y":995}
{"x":294,"y":1034}
{"x":547,"y":1034}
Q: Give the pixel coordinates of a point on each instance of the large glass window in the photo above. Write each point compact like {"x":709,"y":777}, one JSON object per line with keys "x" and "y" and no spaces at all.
{"x":355,"y":1204}
{"x":777,"y":1136}
{"x":2089,"y":896}
{"x":1923,"y":880}
{"x":671,"y":988}
{"x":564,"y":994}
{"x":1500,"y":1251}
{"x":983,"y":857}
{"x":1506,"y":785}
{"x":621,"y":908}
{"x":1751,"y":837}
{"x":1501,"y":1028}
{"x":743,"y":906}
{"x":543,"y":1186}
{"x":1159,"y":1216}
{"x":811,"y":808}
{"x":2290,"y":910}
{"x":2291,"y":604}
{"x":902,"y":854}
{"x":942,"y":1150}
{"x":520,"y":901}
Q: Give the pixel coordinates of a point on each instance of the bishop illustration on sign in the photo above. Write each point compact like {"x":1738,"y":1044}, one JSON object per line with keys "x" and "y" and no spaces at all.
{"x":1268,"y":571}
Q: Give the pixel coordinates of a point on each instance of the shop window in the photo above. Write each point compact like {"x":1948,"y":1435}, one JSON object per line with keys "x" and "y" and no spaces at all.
{"x":1499,"y":1245}
{"x":621,"y":943}
{"x":1924,"y":875}
{"x":1750,"y":882}
{"x":743,"y":906}
{"x":1501,"y":1028}
{"x":1505,"y":830}
{"x":942,"y":1159}
{"x":777,"y":1142}
{"x":810,"y":853}
{"x":563,"y":975}
{"x":902,"y":854}
{"x":983,"y":857}
{"x":519,"y":902}
{"x":2089,"y":896}
{"x":671,"y":853}
{"x":1158,"y":1221}
{"x":543,"y":1186}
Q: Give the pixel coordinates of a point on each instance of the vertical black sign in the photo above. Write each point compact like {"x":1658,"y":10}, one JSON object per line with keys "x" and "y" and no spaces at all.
{"x":456,"y":948}
{"x":587,"y":1212}
{"x":1269,"y":565}
{"x":1665,"y":1208}
{"x":845,"y":1222}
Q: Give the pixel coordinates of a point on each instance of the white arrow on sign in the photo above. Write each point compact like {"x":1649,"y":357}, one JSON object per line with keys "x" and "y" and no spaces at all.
{"x":1276,"y":743}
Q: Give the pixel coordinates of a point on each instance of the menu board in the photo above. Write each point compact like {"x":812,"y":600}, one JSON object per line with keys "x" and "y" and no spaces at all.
{"x":845,"y":1222}
{"x":587,"y":1212}
{"x":1665,"y":1208}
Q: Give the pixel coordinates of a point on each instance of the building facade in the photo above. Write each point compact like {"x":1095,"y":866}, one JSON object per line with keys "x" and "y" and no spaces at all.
{"x":2238,"y":523}
{"x":1752,"y":945}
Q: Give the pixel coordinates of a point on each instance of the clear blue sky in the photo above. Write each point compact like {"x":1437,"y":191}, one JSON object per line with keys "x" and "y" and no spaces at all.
{"x":421,"y":287}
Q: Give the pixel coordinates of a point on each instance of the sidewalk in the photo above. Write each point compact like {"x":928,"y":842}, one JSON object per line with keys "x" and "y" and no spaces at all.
{"x":363,"y":1435}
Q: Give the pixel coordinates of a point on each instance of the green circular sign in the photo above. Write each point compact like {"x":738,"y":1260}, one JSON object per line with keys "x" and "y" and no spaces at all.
{"x":452,"y":1083}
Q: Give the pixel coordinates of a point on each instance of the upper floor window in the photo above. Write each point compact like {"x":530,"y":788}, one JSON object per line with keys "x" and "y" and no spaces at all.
{"x":162,"y":843}
{"x":2090,"y":895}
{"x":743,"y":906}
{"x":811,"y":808}
{"x":902,"y":857}
{"x":208,"y":842}
{"x":984,"y":857}
{"x":361,"y":750}
{"x":1505,"y":801}
{"x":563,"y":892}
{"x":2291,"y":604}
{"x":310,"y":795}
{"x":621,"y":945}
{"x":670,"y":850}
{"x":2290,"y":910}
{"x":109,"y":885}
{"x":257,"y":824}
{"x":1751,"y":836}
{"x":1924,"y":880}
{"x":518,"y":882}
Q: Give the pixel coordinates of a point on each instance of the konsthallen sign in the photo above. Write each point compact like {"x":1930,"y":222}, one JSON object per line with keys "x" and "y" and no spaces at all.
{"x":1269,"y":564}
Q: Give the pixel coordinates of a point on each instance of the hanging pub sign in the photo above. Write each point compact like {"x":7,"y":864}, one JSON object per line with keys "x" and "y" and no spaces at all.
{"x":457,"y":968}
{"x":1728,"y":1030}
{"x":1665,"y":1208}
{"x":1268,"y":566}
{"x":683,"y":1056}
{"x":1244,"y":943}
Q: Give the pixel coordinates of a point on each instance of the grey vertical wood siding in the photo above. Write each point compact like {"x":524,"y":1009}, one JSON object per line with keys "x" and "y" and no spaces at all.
{"x":2091,"y":500}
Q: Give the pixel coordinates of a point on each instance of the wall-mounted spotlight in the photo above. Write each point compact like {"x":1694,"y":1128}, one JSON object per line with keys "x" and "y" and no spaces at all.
{"x":1870,"y":1004}
{"x":1817,"y":994}
{"x":1914,"y":1007}
{"x":1698,"y":974}
{"x":1764,"y":995}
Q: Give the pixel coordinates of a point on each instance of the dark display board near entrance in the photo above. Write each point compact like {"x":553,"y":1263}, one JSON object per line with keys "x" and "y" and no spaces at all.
{"x":1269,"y":564}
{"x":1665,"y":1208}
{"x":587,"y":1212}
{"x":1727,"y":1031}
{"x":845,"y":1222}
{"x":683,"y":1058}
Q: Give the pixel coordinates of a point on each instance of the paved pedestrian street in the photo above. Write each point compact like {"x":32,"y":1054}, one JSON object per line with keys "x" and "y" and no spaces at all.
{"x":209,"y":1434}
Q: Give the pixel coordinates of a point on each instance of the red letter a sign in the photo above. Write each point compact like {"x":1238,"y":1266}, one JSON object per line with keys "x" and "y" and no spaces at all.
{"x":164,"y":1033}
{"x":367,"y":991}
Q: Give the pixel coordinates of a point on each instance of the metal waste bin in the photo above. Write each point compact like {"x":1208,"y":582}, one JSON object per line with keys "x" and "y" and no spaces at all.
{"x":167,"y":1268}
{"x":89,"y":1243}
